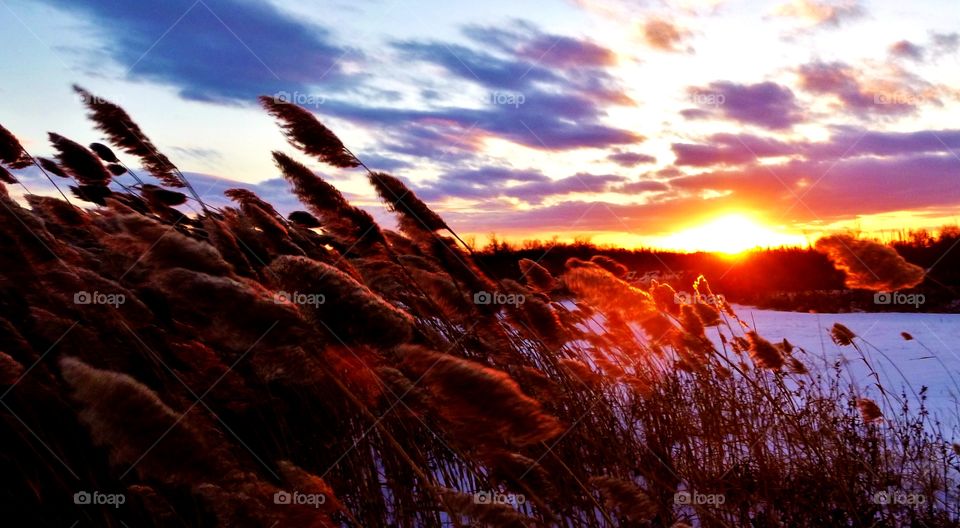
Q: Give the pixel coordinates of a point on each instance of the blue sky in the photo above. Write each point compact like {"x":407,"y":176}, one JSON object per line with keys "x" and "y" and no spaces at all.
{"x":624,"y":121}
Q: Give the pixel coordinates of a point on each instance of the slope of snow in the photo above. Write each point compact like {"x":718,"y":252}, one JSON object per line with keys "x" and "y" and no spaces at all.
{"x":931,"y":359}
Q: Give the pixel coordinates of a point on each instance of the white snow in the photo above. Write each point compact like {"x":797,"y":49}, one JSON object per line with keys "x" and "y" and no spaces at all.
{"x":937,"y":366}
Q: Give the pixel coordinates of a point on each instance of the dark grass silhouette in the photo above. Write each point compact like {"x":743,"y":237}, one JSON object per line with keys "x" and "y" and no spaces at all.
{"x":237,"y":368}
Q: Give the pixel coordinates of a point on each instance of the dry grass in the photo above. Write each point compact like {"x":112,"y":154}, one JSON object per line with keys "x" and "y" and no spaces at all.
{"x":221,"y":380}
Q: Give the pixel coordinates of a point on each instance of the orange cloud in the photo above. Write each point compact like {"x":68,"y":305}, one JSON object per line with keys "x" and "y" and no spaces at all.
{"x":663,"y":34}
{"x":821,"y":13}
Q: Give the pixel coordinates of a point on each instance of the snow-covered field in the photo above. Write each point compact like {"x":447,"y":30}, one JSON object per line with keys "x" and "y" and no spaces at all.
{"x":931,"y":359}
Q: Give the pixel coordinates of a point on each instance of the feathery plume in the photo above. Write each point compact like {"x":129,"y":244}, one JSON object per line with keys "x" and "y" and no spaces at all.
{"x":611,"y":265}
{"x":797,"y":367}
{"x":351,"y":224}
{"x":97,"y":194}
{"x":870,"y":265}
{"x":79,"y":162}
{"x":153,"y":193}
{"x":482,"y":403}
{"x":104,"y":152}
{"x":306,"y":133}
{"x":305,"y":482}
{"x":842,"y":335}
{"x":12,"y":153}
{"x":625,"y":497}
{"x":6,"y":177}
{"x":10,"y":370}
{"x":579,"y":371}
{"x":311,"y":189}
{"x":483,"y":513}
{"x":163,"y":247}
{"x":536,"y":276}
{"x":401,"y":199}
{"x":51,"y":166}
{"x":116,"y":170}
{"x":601,"y":288}
{"x":304,"y":219}
{"x":123,"y":132}
{"x":869,"y":410}
{"x":126,"y":416}
{"x":764,"y":353}
{"x":348,"y":308}
{"x":690,"y":321}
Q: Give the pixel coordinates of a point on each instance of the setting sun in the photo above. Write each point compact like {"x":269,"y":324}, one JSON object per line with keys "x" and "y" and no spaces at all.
{"x":729,"y":234}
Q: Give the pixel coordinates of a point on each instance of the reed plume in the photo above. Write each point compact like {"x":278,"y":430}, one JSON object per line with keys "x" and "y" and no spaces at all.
{"x":167,"y":248}
{"x":536,"y":276}
{"x":352,"y":224}
{"x":304,"y":219}
{"x":104,"y":152}
{"x":482,"y":403}
{"x":842,"y":335}
{"x":870,"y":265}
{"x":482,"y":513}
{"x":308,"y":483}
{"x":349,"y":309}
{"x":764,"y":353}
{"x":400,"y":199}
{"x":309,"y":135}
{"x":797,"y":367}
{"x":579,"y":371}
{"x":12,"y":153}
{"x":10,"y":370}
{"x":159,"y":195}
{"x":128,"y":418}
{"x":6,"y":177}
{"x":51,"y":166}
{"x":116,"y":170}
{"x":601,"y":288}
{"x":617,"y":269}
{"x":79,"y":162}
{"x":123,"y":132}
{"x":627,"y":498}
{"x":869,"y":410}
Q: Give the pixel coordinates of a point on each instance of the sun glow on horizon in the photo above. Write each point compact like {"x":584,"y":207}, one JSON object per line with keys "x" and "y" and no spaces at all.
{"x":730,"y":234}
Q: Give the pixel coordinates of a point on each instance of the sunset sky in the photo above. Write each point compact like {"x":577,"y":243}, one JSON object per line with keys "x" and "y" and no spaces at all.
{"x":631,"y":122}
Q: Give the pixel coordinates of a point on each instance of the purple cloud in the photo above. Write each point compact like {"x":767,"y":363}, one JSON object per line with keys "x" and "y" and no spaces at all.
{"x":729,"y":149}
{"x":630,"y":159}
{"x":767,"y":104}
{"x":530,"y":186}
{"x":557,"y":51}
{"x":896,"y":95}
{"x":905,"y":49}
{"x":217,"y":50}
{"x":844,"y":142}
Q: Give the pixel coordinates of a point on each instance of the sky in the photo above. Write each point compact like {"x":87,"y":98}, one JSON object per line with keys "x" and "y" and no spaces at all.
{"x":628,"y":122}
